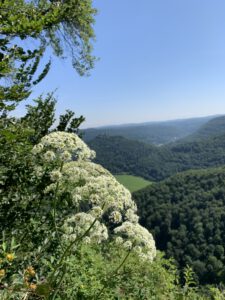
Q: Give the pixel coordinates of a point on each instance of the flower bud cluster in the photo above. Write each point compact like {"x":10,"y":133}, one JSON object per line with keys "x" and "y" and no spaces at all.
{"x":89,"y":182}
{"x":78,"y":225}
{"x":141,"y":239}
{"x":63,"y":146}
{"x":55,"y":175}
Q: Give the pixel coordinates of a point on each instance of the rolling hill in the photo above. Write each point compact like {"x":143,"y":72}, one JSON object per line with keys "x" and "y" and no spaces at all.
{"x":152,"y":133}
{"x":212,"y":128}
{"x":120,"y":155}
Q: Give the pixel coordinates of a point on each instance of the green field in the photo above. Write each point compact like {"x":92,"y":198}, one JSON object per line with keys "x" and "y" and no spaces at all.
{"x":132,"y":183}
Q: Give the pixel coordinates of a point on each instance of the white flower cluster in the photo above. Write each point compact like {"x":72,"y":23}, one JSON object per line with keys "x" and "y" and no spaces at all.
{"x":90,"y":185}
{"x":55,"y":175}
{"x":115,"y":216}
{"x":137,"y":237}
{"x":78,"y":226}
{"x":63,"y":145}
{"x":89,"y":182}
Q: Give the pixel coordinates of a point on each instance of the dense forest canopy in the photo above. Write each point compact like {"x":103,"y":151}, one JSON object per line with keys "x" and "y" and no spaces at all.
{"x":186,"y":214}
{"x":121,"y":155}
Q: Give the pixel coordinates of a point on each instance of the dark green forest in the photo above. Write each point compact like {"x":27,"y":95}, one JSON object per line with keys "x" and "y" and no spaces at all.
{"x":186,"y":214}
{"x":120,"y":155}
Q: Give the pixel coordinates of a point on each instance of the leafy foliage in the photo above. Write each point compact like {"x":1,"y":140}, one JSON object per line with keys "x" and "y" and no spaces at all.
{"x":120,"y":155}
{"x":59,"y":24}
{"x":64,"y":203}
{"x":18,"y":68}
{"x":69,"y":123}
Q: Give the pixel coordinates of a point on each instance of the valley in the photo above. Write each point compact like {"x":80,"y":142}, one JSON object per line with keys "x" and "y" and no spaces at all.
{"x":185,"y":207}
{"x":120,"y":155}
{"x":157,"y":133}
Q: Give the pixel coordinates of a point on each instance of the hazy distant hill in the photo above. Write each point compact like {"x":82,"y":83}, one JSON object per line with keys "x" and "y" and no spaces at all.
{"x":152,"y":132}
{"x":120,"y":155}
{"x":186,"y":214}
{"x":213,"y":127}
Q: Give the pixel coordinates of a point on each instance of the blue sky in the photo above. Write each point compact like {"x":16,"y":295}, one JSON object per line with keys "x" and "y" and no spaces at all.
{"x":159,"y":60}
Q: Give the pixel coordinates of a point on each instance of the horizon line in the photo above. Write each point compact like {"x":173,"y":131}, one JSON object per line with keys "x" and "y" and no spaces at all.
{"x":148,"y":122}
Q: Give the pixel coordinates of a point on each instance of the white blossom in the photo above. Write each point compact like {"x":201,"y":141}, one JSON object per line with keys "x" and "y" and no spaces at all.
{"x":115,"y":217}
{"x":37,"y":148}
{"x":38,"y":171}
{"x":138,"y":236}
{"x":118,"y":240}
{"x":138,"y":249}
{"x":85,"y":225}
{"x":86,"y":240}
{"x":76,"y":199}
{"x":127,"y":245}
{"x":55,"y":175}
{"x":66,"y":156}
{"x":49,"y":156}
{"x":131,"y":216}
{"x":96,"y":212}
{"x":67,"y":144}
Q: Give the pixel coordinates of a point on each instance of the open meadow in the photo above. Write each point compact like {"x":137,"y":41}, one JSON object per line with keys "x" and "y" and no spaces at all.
{"x":133,"y":183}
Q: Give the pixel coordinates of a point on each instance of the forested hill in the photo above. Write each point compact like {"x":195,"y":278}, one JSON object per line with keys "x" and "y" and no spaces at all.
{"x":120,"y":155}
{"x":186,"y":214}
{"x":152,"y":132}
{"x":212,"y":128}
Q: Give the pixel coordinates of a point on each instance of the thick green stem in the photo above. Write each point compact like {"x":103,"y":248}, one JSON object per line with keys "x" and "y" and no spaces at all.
{"x":55,"y":201}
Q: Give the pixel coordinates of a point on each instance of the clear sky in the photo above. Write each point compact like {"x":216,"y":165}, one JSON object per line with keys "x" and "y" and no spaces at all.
{"x":159,"y":60}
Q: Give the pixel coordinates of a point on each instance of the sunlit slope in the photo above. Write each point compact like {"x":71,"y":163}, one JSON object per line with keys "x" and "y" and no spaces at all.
{"x":132,"y":183}
{"x":212,"y":128}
